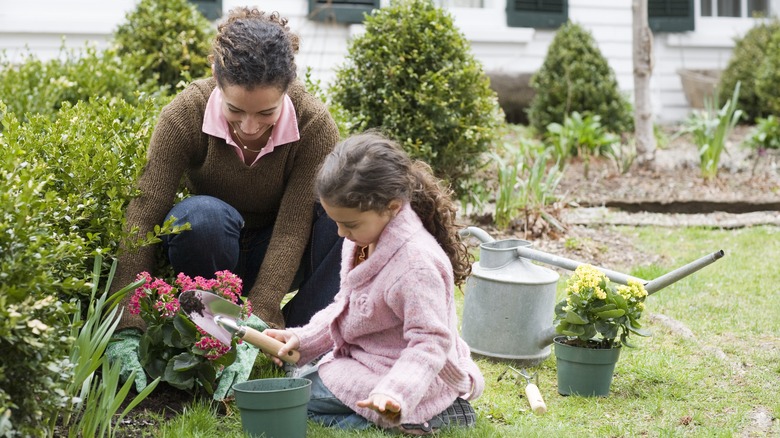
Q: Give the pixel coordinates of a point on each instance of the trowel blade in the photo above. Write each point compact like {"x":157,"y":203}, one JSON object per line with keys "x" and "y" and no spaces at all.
{"x":202,"y":307}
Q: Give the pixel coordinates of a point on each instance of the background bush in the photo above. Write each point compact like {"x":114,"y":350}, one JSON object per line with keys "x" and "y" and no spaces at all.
{"x":88,"y":159}
{"x":33,"y":340}
{"x":167,"y":41}
{"x":575,"y":76}
{"x":74,"y":137}
{"x":64,"y":187}
{"x":425,"y":89}
{"x":768,"y":77}
{"x":749,"y":52}
{"x":37,"y":87}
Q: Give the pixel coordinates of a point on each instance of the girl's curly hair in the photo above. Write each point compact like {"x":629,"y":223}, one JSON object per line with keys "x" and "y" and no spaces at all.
{"x":367,"y":171}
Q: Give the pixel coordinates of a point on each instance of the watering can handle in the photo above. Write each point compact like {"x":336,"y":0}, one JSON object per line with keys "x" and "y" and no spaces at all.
{"x":535,"y":399}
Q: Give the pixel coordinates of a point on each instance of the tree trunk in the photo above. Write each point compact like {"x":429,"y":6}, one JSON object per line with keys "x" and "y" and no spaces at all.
{"x":643,"y":69}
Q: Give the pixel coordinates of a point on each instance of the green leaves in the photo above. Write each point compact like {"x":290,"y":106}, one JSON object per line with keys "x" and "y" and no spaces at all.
{"x":165,"y":41}
{"x":573,"y":318}
{"x":425,"y":89}
{"x":710,"y":129}
{"x":575,"y":76}
{"x":599,"y":312}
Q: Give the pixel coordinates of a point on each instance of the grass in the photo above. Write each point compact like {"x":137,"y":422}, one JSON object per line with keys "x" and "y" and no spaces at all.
{"x":717,"y":379}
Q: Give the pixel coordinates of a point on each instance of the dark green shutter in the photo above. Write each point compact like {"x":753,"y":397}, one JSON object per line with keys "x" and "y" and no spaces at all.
{"x":341,"y":11}
{"x":211,"y":9}
{"x":546,"y":14}
{"x":670,"y":15}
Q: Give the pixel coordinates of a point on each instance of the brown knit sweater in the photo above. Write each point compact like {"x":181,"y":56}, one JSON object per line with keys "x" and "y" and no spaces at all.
{"x":277,"y":190}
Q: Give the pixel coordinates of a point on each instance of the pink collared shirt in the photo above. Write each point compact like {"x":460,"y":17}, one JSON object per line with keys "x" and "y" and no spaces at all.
{"x":285,"y":131}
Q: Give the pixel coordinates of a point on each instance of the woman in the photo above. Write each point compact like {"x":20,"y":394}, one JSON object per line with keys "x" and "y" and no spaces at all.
{"x":246,"y":143}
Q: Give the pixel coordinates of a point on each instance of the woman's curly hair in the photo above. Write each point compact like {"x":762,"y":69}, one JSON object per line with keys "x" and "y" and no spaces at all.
{"x":367,"y":171}
{"x":254,"y":49}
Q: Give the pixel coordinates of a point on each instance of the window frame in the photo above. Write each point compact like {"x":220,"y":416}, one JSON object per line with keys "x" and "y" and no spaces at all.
{"x":341,"y":11}
{"x":211,"y":9}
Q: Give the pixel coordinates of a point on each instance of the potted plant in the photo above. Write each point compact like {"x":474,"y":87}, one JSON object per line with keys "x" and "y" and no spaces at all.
{"x":595,"y":320}
{"x":173,"y":347}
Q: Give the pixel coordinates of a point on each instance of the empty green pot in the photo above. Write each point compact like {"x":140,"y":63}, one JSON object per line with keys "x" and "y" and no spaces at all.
{"x":273,"y":408}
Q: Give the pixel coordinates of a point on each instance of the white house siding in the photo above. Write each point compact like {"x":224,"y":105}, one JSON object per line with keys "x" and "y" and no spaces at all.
{"x":39,"y":26}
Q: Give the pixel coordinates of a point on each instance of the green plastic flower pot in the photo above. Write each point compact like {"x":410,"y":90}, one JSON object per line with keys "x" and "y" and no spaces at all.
{"x":273,"y":408}
{"x":584,"y":371}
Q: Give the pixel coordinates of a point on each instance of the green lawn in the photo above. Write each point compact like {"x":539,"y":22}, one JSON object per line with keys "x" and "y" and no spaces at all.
{"x":710,"y":369}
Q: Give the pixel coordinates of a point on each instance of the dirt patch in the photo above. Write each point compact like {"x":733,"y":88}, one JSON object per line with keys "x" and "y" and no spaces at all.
{"x":747,"y":181}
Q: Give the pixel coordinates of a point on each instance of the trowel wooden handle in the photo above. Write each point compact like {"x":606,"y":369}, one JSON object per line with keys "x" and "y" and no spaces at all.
{"x":268,"y":344}
{"x":535,"y":399}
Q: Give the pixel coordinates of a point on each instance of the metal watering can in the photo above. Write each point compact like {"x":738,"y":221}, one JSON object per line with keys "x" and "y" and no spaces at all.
{"x":510,"y":301}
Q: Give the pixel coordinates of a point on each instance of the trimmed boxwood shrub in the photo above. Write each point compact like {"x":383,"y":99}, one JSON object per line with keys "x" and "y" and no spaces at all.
{"x":41,"y":87}
{"x":86,"y":162}
{"x":575,"y":76}
{"x":33,"y":332}
{"x":64,"y":186}
{"x":412,"y":75}
{"x":167,"y":41}
{"x":749,"y":51}
{"x":768,"y":77}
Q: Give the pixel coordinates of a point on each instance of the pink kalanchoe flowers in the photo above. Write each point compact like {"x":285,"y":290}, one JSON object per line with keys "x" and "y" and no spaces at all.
{"x":158,"y":303}
{"x":213,"y":349}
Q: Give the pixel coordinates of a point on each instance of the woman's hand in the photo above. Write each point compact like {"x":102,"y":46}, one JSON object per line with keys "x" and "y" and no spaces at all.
{"x":290,"y":340}
{"x":385,"y":405}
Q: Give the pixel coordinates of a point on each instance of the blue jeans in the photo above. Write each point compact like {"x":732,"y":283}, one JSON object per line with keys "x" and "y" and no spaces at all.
{"x":326,"y":409}
{"x":218,"y":241}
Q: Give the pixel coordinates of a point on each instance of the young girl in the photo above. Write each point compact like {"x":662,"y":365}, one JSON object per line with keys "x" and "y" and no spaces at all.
{"x":394,"y":357}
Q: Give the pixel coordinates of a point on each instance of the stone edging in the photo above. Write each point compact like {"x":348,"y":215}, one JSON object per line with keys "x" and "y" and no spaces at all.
{"x":607,"y":216}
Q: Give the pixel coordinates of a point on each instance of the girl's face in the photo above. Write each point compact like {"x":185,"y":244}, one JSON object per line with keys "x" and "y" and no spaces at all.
{"x":361,"y":227}
{"x":251,"y":113}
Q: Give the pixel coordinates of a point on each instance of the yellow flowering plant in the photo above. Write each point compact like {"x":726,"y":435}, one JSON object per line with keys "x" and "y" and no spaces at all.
{"x":595,"y":312}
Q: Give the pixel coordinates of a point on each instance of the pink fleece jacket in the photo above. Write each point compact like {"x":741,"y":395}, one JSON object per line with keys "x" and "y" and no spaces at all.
{"x":392,"y":328}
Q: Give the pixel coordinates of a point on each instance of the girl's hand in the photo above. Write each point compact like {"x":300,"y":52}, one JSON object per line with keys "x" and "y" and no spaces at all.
{"x":385,"y":405}
{"x":291,"y":342}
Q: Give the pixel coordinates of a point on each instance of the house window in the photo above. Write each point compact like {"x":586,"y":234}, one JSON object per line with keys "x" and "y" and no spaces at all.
{"x":341,"y":11}
{"x":670,"y":15}
{"x":211,"y":9}
{"x":537,"y":13}
{"x":735,"y":8}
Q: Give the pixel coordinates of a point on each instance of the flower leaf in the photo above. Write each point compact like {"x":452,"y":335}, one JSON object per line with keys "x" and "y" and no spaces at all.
{"x":177,"y":379}
{"x":574,"y":318}
{"x":616,"y":313}
{"x":186,"y":328}
{"x":185,"y":361}
{"x":574,"y":330}
{"x":604,"y":308}
{"x":639,"y":331}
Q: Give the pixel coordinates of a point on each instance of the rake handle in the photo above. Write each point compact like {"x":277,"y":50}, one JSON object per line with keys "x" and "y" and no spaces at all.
{"x":535,"y":399}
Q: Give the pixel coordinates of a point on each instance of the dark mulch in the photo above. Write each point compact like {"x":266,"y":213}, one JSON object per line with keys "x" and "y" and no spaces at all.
{"x":747,"y":181}
{"x":163,"y":404}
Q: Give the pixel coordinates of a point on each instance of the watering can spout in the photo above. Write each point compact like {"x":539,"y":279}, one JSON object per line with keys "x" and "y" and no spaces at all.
{"x":546,"y":336}
{"x":477,"y":232}
{"x":667,"y":279}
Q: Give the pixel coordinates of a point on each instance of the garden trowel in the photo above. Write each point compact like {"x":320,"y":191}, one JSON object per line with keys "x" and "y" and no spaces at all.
{"x":219,"y":318}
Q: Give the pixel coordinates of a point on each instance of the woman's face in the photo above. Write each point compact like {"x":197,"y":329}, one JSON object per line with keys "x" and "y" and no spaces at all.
{"x":251,"y":113}
{"x":361,"y":227}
